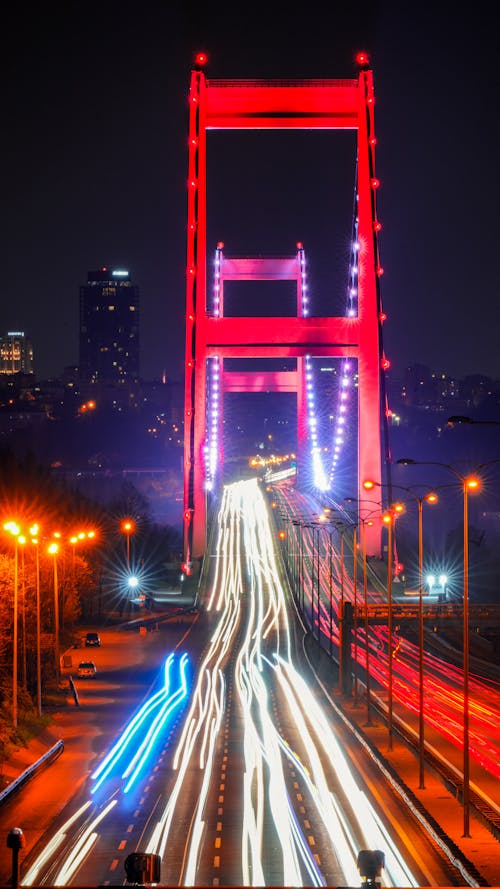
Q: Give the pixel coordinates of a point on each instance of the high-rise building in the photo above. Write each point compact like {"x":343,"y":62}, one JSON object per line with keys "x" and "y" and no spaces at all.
{"x":109,"y":328}
{"x":16,"y":353}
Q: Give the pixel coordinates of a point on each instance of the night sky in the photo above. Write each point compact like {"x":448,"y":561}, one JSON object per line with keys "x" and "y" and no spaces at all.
{"x":94,"y":166}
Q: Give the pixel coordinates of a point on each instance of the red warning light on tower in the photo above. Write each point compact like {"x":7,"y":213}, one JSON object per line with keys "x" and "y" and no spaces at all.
{"x":201,"y":58}
{"x":362,"y":59}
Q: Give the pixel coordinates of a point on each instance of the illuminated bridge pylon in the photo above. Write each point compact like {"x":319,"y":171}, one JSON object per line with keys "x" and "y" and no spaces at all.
{"x":297,"y":104}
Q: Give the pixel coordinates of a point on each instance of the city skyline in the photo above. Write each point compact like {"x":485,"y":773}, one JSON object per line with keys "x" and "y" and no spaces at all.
{"x":97,"y":163}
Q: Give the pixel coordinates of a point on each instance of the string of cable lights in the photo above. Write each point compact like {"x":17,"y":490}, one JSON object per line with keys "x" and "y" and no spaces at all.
{"x":213,"y":385}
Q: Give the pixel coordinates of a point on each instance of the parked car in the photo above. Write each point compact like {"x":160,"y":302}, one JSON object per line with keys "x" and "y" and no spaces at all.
{"x":92,"y":640}
{"x":86,"y":669}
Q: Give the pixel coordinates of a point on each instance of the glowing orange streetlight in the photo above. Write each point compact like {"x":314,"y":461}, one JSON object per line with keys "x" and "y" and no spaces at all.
{"x":128,"y":528}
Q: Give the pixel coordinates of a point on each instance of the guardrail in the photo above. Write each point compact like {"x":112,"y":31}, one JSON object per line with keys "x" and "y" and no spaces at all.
{"x":32,"y":770}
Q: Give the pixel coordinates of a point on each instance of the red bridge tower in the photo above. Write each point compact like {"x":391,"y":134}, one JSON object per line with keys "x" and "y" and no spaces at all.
{"x":297,"y":104}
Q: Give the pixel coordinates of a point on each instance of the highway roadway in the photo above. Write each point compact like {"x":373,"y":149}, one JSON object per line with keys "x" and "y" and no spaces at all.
{"x":231,"y":765}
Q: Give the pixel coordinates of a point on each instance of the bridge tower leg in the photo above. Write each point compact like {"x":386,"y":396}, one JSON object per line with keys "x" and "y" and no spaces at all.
{"x":301,"y":104}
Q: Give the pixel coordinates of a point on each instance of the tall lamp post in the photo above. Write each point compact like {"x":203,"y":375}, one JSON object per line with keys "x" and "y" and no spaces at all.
{"x":341,"y":614}
{"x":34,"y":539}
{"x":128,"y":528}
{"x":339,"y":527}
{"x":316,"y":530}
{"x":431,"y":498}
{"x":364,"y":522}
{"x":388,"y":520}
{"x":53,"y":549}
{"x":21,"y":539}
{"x":428,"y":498}
{"x":330,"y":594}
{"x":355,"y":603}
{"x":14,"y":529}
{"x":468,"y":483}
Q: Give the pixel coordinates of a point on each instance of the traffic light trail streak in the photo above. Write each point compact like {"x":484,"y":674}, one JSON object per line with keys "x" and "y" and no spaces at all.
{"x":253,"y":625}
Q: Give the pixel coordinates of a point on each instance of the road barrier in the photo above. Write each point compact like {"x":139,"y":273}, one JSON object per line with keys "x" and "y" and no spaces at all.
{"x":32,"y":770}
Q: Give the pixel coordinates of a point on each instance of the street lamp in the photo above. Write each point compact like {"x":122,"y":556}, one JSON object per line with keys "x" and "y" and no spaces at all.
{"x":340,"y":528}
{"x":468,"y":483}
{"x":74,"y":540}
{"x":21,"y":539}
{"x":53,"y":549}
{"x":14,"y":529}
{"x":364,"y":522}
{"x":330,"y":592}
{"x":133,"y":583}
{"x":128,"y":528}
{"x":341,"y":613}
{"x":428,"y":498}
{"x":34,"y":539}
{"x":316,"y":530}
{"x":388,"y":520}
{"x":355,"y":609}
{"x":431,"y":498}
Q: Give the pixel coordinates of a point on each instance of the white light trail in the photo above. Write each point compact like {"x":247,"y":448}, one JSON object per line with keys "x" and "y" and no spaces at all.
{"x":255,"y":612}
{"x":31,"y":876}
{"x":82,"y":847}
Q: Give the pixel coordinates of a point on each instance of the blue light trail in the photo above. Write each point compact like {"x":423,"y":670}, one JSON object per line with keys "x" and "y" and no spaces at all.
{"x":163,"y":703}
